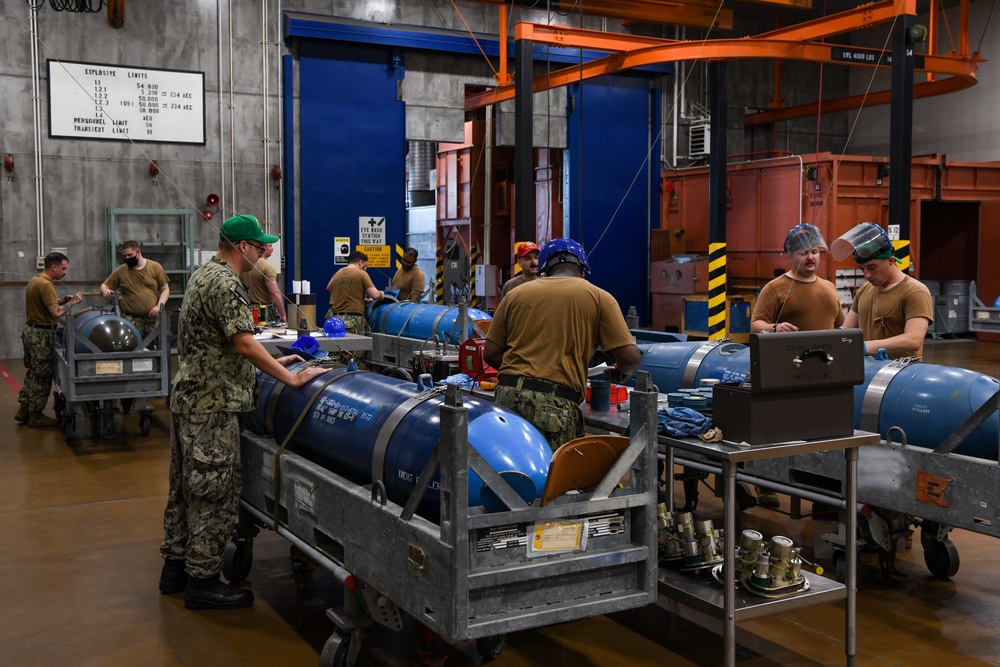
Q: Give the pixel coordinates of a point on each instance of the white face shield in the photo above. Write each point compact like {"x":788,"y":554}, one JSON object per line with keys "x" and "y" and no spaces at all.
{"x":865,"y":240}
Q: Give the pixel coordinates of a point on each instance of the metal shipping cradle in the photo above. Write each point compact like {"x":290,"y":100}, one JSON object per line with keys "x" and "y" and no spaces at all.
{"x":474,"y":575}
{"x":89,"y":383}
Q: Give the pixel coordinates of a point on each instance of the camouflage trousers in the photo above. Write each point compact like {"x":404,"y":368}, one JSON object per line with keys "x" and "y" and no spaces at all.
{"x":39,"y":350}
{"x":145,"y":324}
{"x":558,"y":419}
{"x":205,"y":484}
{"x":355,"y":324}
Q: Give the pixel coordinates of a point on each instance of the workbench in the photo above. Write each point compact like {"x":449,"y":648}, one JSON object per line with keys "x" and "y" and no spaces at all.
{"x":272,"y":338}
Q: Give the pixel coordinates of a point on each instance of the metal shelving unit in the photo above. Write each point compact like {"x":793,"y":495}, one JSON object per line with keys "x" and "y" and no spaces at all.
{"x":731,"y":606}
{"x":174,"y":244}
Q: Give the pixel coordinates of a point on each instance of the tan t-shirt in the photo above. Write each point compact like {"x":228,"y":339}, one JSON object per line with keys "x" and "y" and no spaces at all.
{"x":551,"y":327}
{"x":408,"y":282}
{"x":509,"y":286}
{"x":347,"y":290}
{"x":809,"y":306}
{"x":883,"y":314}
{"x":140,"y":288}
{"x":38,"y":296}
{"x":256,"y":280}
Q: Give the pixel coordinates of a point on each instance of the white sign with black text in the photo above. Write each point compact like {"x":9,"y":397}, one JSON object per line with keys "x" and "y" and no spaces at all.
{"x":91,"y":101}
{"x":371,"y":230}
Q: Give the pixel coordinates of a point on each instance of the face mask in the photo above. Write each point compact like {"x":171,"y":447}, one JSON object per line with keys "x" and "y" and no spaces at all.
{"x":131,"y":262}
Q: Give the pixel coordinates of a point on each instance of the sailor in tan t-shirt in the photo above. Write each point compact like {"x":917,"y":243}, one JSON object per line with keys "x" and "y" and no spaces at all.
{"x":262,"y":285}
{"x":543,"y":336}
{"x":526,"y":256}
{"x":799,"y":300}
{"x":143,"y":285}
{"x":42,"y":308}
{"x":409,"y":279}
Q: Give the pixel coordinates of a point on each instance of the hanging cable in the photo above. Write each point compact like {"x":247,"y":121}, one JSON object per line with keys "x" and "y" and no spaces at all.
{"x":947,"y":27}
{"x":473,"y":36}
{"x":986,"y":27}
{"x":659,"y":135}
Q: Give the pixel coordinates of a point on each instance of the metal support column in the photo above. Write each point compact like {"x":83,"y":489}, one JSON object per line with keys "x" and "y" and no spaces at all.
{"x":717,"y":189}
{"x":901,"y":126}
{"x":524,"y":173}
{"x":718,"y":80}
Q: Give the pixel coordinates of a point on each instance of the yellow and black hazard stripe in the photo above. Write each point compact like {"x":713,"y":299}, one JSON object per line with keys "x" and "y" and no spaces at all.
{"x":473,"y":261}
{"x":902,"y":248}
{"x":716,"y":290}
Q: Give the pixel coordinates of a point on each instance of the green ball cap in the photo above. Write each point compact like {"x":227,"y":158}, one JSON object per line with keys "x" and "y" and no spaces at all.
{"x":244,"y":228}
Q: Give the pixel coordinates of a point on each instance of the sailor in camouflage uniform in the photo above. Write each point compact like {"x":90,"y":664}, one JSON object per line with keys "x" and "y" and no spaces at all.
{"x":215,"y":382}
{"x":41,"y":310}
{"x":543,"y":336}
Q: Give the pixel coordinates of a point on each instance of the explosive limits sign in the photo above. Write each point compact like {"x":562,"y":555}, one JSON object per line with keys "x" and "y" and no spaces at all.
{"x":92,"y":101}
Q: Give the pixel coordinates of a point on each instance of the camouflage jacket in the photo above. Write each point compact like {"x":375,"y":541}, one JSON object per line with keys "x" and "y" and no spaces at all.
{"x":213,"y":376}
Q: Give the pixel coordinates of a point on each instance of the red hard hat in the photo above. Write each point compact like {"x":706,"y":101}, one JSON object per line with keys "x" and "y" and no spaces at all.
{"x":524,"y":248}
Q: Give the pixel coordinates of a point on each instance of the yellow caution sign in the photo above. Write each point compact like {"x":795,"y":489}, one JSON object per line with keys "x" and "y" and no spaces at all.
{"x":379,"y":256}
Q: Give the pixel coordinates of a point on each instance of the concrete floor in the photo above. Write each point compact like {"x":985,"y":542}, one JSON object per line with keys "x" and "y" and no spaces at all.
{"x":80,"y":525}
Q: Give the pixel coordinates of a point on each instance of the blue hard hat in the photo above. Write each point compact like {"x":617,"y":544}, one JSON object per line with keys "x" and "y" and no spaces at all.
{"x":996,"y":304}
{"x":309,"y":346}
{"x":334,"y":328}
{"x":561,"y":250}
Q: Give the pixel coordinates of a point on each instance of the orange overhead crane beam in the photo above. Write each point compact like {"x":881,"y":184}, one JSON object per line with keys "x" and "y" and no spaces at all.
{"x":791,"y":43}
{"x":696,"y":14}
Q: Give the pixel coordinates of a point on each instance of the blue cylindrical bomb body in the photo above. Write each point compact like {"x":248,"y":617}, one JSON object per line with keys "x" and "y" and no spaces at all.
{"x":350,"y":414}
{"x":422,"y":321}
{"x":928,"y":402}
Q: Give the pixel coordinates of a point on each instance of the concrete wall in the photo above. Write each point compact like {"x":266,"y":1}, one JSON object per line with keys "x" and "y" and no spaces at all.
{"x":963,"y":125}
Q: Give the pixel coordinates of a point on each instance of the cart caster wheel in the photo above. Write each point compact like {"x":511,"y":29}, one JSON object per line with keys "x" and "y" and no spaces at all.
{"x":237,"y":560}
{"x":335,"y":651}
{"x":59,"y":405}
{"x":491,"y":647}
{"x":840,"y":566}
{"x":942,"y":558}
{"x":108,"y":427}
{"x":145,"y":420}
{"x":68,"y":427}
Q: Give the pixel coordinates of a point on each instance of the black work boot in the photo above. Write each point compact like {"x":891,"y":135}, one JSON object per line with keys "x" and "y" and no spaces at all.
{"x":211,"y":593}
{"x":41,"y":420}
{"x":173,"y":578}
{"x":22,"y":413}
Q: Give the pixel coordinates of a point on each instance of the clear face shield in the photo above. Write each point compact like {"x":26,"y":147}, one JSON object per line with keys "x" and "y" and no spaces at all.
{"x":865,"y":241}
{"x":803,"y":237}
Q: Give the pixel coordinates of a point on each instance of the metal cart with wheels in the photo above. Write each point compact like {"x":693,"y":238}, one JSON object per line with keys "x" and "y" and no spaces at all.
{"x":475,"y":575}
{"x":96,"y":386}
